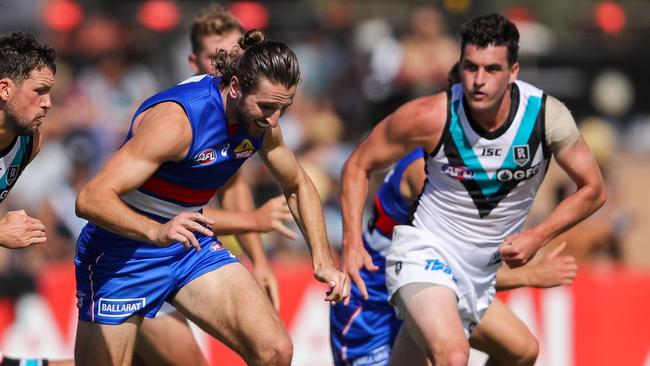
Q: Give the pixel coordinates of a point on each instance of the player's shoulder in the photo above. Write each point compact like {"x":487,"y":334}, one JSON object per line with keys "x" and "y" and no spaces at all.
{"x":168,"y":118}
{"x":424,"y":114}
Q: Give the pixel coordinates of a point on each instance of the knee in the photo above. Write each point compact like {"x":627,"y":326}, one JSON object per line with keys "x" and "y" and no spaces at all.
{"x":527,"y":354}
{"x":453,"y":355}
{"x":277,"y":353}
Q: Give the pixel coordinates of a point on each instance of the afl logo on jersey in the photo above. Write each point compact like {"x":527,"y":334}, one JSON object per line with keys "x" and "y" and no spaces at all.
{"x":457,"y":172}
{"x":244,"y":150}
{"x":206,"y":157}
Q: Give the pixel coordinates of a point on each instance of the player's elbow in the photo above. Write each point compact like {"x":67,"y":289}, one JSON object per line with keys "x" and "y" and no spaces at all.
{"x":351,"y":167}
{"x":598,"y":194}
{"x":84,"y":203}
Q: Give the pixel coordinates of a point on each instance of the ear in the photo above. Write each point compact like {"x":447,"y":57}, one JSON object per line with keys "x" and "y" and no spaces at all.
{"x":193,"y":60}
{"x":235,"y":88}
{"x":6,"y":88}
{"x":514,"y":72}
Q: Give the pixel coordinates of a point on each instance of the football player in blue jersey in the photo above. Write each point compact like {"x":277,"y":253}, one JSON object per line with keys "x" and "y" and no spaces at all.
{"x":167,"y":338}
{"x":146,"y":207}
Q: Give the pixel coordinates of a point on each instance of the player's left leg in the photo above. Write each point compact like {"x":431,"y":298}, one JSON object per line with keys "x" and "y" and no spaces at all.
{"x":167,"y":340}
{"x":231,"y":306}
{"x":504,"y":338}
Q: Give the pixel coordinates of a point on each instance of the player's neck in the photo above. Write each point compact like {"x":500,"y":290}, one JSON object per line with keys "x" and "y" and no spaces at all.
{"x":6,"y":136}
{"x":491,"y":120}
{"x":230,"y":111}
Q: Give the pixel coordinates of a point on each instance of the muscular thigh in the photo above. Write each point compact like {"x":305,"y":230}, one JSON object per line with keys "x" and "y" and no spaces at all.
{"x":501,"y":334}
{"x":167,"y":340}
{"x":229,"y":304}
{"x":102,"y":344}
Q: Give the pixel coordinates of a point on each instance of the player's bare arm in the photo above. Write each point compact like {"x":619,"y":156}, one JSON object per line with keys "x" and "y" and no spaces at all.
{"x":579,"y":163}
{"x":417,"y":123}
{"x":551,"y":271}
{"x":160,"y":134}
{"x":305,"y":205}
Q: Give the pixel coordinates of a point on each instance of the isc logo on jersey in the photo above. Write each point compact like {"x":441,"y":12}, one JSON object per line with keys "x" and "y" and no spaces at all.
{"x":245,"y":149}
{"x":457,"y":172}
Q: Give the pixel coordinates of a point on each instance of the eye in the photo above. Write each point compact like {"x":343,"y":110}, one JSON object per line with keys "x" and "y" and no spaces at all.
{"x":469,"y":67}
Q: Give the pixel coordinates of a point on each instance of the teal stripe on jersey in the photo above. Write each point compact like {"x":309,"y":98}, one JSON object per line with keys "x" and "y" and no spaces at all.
{"x":490,"y":186}
{"x":525,"y":130}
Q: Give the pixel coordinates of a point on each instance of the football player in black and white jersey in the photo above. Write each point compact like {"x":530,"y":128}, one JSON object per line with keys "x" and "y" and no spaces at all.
{"x":488,"y":142}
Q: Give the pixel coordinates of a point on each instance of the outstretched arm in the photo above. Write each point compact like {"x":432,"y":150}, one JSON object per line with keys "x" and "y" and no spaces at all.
{"x":418,"y":123}
{"x":305,"y":205}
{"x":237,"y":196}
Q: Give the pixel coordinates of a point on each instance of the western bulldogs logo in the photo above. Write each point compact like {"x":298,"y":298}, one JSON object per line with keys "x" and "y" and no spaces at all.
{"x":521,"y":154}
{"x":206,"y":157}
{"x":244,"y":150}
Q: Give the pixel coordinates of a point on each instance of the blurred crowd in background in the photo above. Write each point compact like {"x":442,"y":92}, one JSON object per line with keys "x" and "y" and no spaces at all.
{"x":359,"y":61}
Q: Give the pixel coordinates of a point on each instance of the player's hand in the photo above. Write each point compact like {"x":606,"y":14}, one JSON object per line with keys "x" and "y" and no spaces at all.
{"x":554,"y":269}
{"x":270,"y":216}
{"x":338,"y":281}
{"x":355,"y":257}
{"x":265,"y":277}
{"x":17,"y":230}
{"x":517,"y":250}
{"x":182,"y":228}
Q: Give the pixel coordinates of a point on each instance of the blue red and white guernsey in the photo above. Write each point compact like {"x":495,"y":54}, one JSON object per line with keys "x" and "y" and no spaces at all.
{"x":112,"y":270}
{"x":363,"y":332}
{"x":13,"y":160}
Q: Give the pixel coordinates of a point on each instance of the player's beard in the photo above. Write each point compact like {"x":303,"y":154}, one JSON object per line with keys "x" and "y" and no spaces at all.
{"x":18,"y":126}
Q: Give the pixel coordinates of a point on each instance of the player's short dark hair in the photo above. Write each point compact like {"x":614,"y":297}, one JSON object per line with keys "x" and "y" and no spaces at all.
{"x":491,"y":29}
{"x":20,"y":54}
{"x":259,"y":59}
{"x":213,"y":20}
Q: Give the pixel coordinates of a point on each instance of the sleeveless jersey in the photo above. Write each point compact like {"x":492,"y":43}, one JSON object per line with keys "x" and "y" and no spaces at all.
{"x":390,"y":207}
{"x":216,"y":153}
{"x":13,"y":160}
{"x":480,"y":185}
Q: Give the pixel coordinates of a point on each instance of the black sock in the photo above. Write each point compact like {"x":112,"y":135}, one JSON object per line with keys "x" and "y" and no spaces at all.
{"x":8,"y":361}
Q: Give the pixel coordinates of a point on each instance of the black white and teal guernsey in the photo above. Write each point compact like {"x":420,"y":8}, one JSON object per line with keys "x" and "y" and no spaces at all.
{"x":480,"y":185}
{"x":13,"y":159}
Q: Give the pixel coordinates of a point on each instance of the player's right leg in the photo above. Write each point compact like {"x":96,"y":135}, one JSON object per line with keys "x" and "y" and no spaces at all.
{"x":118,"y":284}
{"x":504,"y":338}
{"x":167,"y":340}
{"x":229,"y":304}
{"x":102,"y":344}
{"x":431,"y":317}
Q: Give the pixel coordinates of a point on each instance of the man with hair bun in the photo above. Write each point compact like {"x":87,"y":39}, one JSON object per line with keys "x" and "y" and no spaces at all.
{"x":150,"y":237}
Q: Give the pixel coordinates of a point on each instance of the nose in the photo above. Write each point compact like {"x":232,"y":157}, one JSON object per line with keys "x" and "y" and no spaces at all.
{"x":46,"y":101}
{"x":274,"y":119}
{"x":480,"y":77}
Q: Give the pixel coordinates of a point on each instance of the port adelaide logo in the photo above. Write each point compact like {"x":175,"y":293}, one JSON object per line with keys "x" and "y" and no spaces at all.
{"x":521,"y":153}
